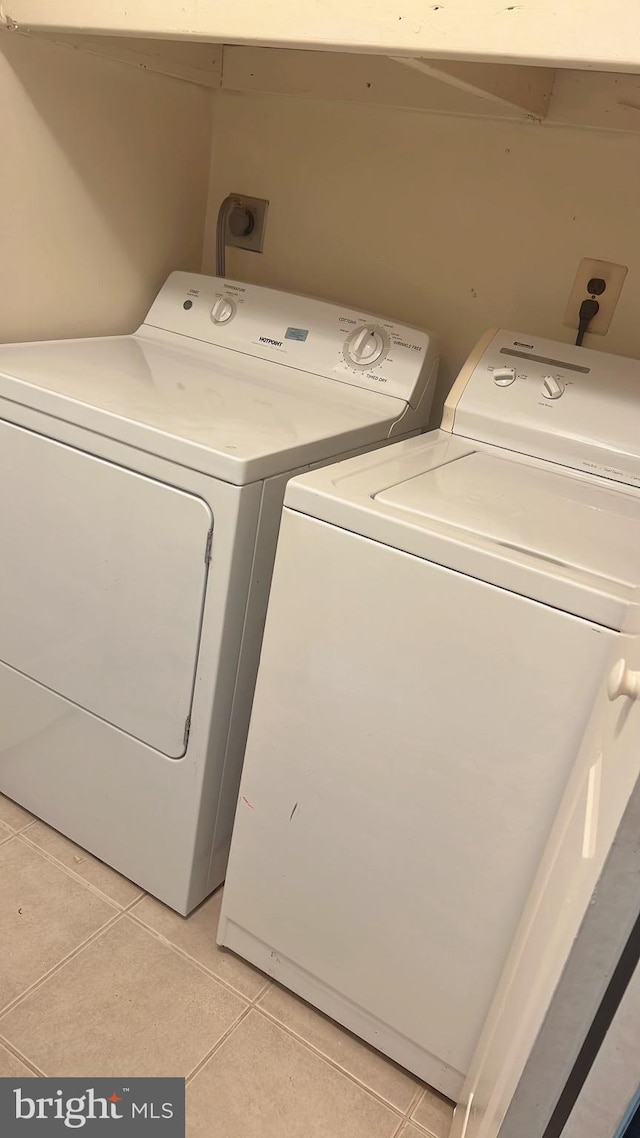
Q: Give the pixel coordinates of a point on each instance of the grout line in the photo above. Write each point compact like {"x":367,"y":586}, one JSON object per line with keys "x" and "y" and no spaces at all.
{"x":216,"y":1047}
{"x":414,"y":1106}
{"x":333,"y":1063}
{"x":421,"y":1088}
{"x":263,"y":991}
{"x":239,"y":1020}
{"x":15,"y":1051}
{"x":11,"y":833}
{"x":26,"y":841}
{"x":420,"y":1128}
{"x":57,"y":967}
{"x":193,"y":960}
{"x":13,"y":830}
{"x":27,"y":825}
{"x":130,"y":906}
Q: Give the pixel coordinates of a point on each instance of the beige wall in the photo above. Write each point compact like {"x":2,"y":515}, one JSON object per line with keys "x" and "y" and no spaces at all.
{"x":452,"y":223}
{"x":455,"y":224}
{"x":103,"y":176}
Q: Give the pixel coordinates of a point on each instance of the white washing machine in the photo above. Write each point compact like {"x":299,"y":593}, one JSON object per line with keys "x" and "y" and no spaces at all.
{"x":141,"y":484}
{"x":440,"y":617}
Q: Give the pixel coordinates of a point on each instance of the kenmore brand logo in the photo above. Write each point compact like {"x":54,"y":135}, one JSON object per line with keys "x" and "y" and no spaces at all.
{"x":270,"y":342}
{"x":518,"y":344}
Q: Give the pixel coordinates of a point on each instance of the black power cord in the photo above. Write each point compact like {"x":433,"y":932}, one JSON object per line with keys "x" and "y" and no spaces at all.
{"x":590,"y":307}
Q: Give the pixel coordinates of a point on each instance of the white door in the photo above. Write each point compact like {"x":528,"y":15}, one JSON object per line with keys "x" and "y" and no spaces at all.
{"x":577,"y":921}
{"x":102,"y":581}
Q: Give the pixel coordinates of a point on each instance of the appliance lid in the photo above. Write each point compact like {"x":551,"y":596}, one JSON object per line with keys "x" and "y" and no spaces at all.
{"x":218,"y":411}
{"x":559,"y":537}
{"x":544,"y":514}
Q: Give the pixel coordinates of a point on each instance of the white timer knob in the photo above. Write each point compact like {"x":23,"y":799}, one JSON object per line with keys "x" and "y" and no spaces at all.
{"x":504,"y":376}
{"x":552,"y":388}
{"x":364,"y":346}
{"x":222,"y":310}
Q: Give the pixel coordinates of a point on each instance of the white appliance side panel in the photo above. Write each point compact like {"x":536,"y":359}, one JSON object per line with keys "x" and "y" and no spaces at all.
{"x":102,"y":585}
{"x":411,"y":735}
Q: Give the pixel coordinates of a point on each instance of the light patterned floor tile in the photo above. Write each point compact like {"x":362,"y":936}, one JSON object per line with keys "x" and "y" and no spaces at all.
{"x":98,"y":874}
{"x":365,"y":1064}
{"x":262,"y":1083}
{"x":11,"y":1067}
{"x":12,"y":815}
{"x":411,"y":1131}
{"x":130,"y":1003}
{"x":434,"y":1113}
{"x":126,"y":1005}
{"x":45,"y":915}
{"x":196,"y":935}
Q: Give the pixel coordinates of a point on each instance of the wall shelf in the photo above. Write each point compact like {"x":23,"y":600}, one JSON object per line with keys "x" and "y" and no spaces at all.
{"x":551,"y":97}
{"x":566,"y":33}
{"x":199,"y":63}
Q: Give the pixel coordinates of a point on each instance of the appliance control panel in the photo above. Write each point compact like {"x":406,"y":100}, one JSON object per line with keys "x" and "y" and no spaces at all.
{"x":543,"y":398}
{"x":297,"y":331}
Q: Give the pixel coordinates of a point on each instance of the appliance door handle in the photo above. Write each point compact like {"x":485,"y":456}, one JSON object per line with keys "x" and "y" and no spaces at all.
{"x":623,"y":681}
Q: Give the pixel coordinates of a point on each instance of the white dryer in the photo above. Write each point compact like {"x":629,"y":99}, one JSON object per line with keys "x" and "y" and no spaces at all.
{"x":440,"y":616}
{"x":141,"y":484}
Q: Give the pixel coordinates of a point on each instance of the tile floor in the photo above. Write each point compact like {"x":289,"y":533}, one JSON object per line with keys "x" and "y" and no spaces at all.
{"x":96,"y":978}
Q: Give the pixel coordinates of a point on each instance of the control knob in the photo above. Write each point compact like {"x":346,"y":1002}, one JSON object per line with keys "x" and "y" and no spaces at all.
{"x":364,"y":346}
{"x":222,"y":310}
{"x":552,"y":388}
{"x":504,"y":376}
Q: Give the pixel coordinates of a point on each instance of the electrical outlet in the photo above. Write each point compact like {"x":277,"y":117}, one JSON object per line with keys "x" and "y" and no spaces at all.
{"x":256,"y":208}
{"x":613,"y":276}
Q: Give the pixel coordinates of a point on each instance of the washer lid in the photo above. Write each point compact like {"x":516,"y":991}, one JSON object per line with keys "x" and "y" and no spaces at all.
{"x":215,"y":410}
{"x":542,"y":513}
{"x":563,"y":538}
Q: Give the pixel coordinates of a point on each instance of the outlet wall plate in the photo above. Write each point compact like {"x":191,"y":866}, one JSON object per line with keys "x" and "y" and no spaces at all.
{"x":613,"y":275}
{"x":254,"y":241}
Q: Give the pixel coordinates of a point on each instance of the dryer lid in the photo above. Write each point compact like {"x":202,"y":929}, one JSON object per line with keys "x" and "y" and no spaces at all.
{"x":228,"y":415}
{"x":560,"y":519}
